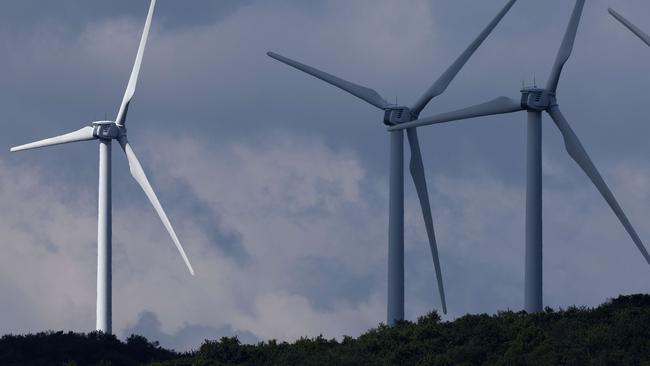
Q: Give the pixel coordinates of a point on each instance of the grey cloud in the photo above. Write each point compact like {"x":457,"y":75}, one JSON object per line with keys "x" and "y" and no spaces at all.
{"x":327,"y":282}
{"x":20,"y":15}
{"x":208,"y":221}
{"x":189,"y":337}
{"x":293,"y":172}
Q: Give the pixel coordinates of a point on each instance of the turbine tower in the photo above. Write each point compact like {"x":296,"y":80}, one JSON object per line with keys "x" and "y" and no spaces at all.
{"x":395,"y":115}
{"x":535,"y":101}
{"x":636,"y":30}
{"x":106,"y":132}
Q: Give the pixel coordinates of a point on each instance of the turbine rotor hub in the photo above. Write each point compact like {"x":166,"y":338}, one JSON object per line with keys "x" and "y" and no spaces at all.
{"x":536,"y":99}
{"x":396,"y":115}
{"x":108,"y":130}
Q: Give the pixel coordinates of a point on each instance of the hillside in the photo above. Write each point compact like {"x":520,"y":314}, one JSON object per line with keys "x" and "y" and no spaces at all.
{"x":615,"y":333}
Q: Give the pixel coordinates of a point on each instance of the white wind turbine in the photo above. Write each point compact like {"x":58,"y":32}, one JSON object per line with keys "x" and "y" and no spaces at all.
{"x":396,"y":115}
{"x":535,"y":101}
{"x":106,"y":132}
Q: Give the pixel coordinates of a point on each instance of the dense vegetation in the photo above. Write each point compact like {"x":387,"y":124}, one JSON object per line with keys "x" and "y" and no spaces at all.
{"x":96,"y":348}
{"x":615,"y":333}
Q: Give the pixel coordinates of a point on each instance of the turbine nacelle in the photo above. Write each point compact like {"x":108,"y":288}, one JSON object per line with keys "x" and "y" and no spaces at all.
{"x":536,"y":99}
{"x":396,"y":115}
{"x":108,"y":130}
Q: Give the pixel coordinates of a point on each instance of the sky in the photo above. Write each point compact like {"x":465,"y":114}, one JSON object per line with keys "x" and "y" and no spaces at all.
{"x":277,"y":183}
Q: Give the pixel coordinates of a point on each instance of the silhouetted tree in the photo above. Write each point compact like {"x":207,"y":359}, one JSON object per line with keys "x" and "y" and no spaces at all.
{"x":615,"y":333}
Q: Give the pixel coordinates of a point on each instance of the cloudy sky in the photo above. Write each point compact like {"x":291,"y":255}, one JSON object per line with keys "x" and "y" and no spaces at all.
{"x":276,"y":183}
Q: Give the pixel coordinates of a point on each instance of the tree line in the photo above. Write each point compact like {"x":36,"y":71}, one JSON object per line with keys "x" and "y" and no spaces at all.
{"x":614,"y":333}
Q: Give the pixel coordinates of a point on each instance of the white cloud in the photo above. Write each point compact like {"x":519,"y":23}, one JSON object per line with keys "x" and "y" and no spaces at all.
{"x":293,"y":201}
{"x":48,"y":252}
{"x":289,"y":200}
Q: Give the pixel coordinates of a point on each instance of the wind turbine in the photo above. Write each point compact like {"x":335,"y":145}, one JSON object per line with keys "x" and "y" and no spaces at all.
{"x":394,"y":115}
{"x":536,"y":100}
{"x":106,"y":132}
{"x":636,"y":30}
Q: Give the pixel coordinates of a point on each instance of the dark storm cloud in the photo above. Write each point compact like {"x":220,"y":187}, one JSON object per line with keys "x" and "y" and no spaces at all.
{"x":21,"y":15}
{"x":315,"y":158}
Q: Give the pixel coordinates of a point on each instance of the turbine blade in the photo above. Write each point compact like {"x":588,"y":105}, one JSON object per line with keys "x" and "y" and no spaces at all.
{"x":636,"y":30}
{"x":567,"y":46}
{"x":133,"y":80}
{"x":499,"y":105}
{"x":446,"y":78}
{"x":417,"y":172}
{"x":358,"y":91}
{"x":138,"y":174}
{"x":83,"y":134}
{"x":578,"y":153}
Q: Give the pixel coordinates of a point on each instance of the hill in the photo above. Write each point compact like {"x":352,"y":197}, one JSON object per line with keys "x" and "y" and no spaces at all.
{"x":615,"y":333}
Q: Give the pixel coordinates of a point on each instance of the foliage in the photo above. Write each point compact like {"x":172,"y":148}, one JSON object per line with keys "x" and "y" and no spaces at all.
{"x":73,"y":349}
{"x":615,"y":333}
